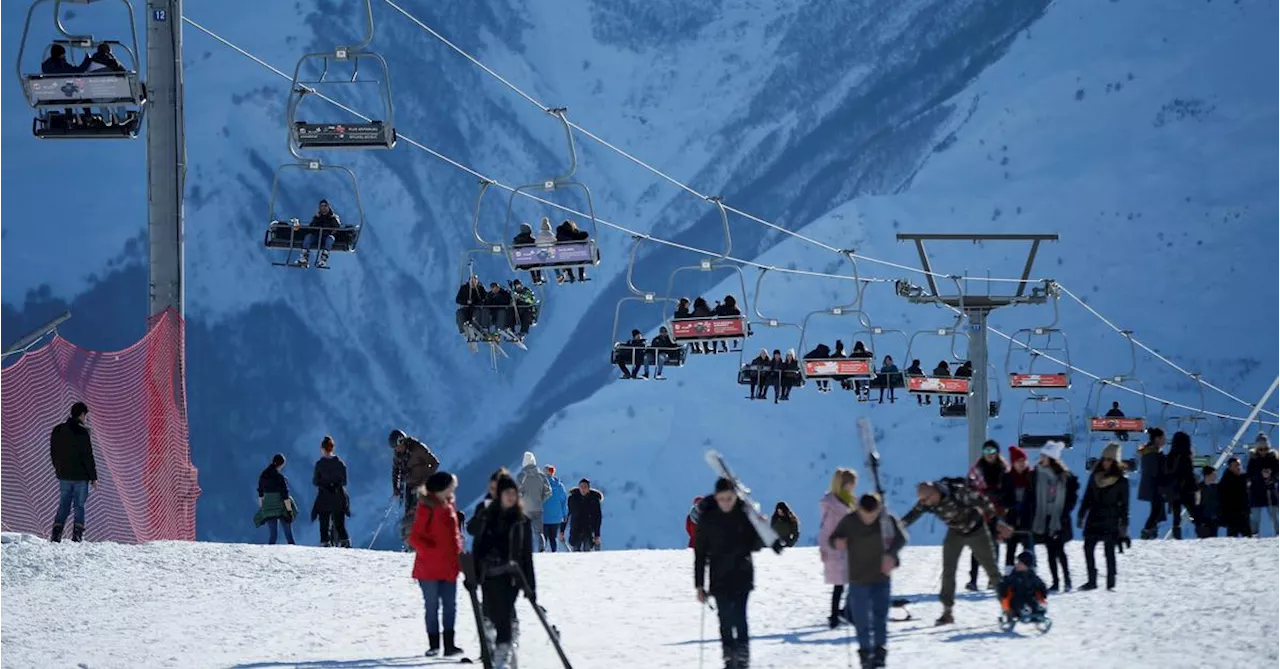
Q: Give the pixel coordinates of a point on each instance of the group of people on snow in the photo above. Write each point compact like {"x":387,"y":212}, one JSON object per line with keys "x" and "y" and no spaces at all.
{"x":496,"y":312}
{"x":566,"y":232}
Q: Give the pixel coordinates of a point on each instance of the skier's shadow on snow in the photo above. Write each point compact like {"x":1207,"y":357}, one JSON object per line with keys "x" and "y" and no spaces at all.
{"x":370,"y":663}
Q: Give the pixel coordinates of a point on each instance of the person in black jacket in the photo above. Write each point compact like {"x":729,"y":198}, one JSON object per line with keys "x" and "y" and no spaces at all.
{"x":820,"y":352}
{"x":525,"y":238}
{"x":789,"y":373}
{"x":1115,"y":412}
{"x":470,"y":300}
{"x":503,"y":552}
{"x":1210,"y":505}
{"x":1104,"y":514}
{"x":635,"y":346}
{"x":664,"y":348}
{"x":774,"y":376}
{"x":988,"y":475}
{"x":1178,"y":481}
{"x":1263,"y":475}
{"x":274,"y":504}
{"x":325,"y":223}
{"x":568,"y":232}
{"x":499,"y":308}
{"x":585,"y":517}
{"x":57,"y":63}
{"x":758,"y":371}
{"x":1018,"y":500}
{"x":785,"y":523}
{"x":1151,"y":464}
{"x":332,"y":506}
{"x":71,"y":451}
{"x":476,"y":522}
{"x":914,"y":369}
{"x":724,"y":543}
{"x":1233,"y":500}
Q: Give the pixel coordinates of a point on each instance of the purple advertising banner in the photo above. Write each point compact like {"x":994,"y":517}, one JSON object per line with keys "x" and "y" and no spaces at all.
{"x":571,"y":252}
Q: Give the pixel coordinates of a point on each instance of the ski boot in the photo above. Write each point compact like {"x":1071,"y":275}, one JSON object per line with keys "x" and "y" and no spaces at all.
{"x":450,"y":648}
{"x":879,"y":656}
{"x":56,"y":535}
{"x":323,"y":261}
{"x":77,"y":533}
{"x":304,"y":261}
{"x":433,"y":639}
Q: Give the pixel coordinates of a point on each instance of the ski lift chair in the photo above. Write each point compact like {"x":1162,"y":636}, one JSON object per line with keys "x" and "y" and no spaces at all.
{"x":1045,"y":405}
{"x":289,"y":234}
{"x":113,"y":102}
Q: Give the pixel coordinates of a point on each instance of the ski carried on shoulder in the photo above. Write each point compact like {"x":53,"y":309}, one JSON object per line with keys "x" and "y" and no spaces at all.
{"x":471,"y":583}
{"x":758,"y":520}
{"x":867,"y":436}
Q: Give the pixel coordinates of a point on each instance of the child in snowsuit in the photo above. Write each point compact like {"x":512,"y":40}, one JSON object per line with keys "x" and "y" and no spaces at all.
{"x":1022,"y":589}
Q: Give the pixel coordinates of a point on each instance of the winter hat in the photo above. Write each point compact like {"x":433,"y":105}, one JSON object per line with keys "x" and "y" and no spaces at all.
{"x":1016,"y":454}
{"x":1053,"y":450}
{"x":1112,"y":451}
{"x":505,"y":482}
{"x":277,"y":459}
{"x":1028,"y":558}
{"x":439,"y":481}
{"x":529,"y":460}
{"x":723,"y":484}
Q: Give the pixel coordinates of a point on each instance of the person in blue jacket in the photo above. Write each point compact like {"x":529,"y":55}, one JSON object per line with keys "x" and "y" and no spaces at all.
{"x":555,"y":511}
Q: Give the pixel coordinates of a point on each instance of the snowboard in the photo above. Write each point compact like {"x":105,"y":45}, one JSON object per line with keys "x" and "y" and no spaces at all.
{"x":758,"y":519}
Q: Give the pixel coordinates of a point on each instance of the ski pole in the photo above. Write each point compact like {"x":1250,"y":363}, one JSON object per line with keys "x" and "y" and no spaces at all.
{"x":378,"y":529}
{"x":702,"y":636}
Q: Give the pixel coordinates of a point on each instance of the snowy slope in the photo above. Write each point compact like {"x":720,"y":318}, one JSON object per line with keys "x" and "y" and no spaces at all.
{"x":210,"y":605}
{"x":1126,"y":175}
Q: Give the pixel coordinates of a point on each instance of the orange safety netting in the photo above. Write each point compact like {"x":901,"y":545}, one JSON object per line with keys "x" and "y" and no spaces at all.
{"x":138,"y":421}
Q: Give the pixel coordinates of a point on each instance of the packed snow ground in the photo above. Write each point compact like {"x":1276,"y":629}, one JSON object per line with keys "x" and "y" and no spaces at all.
{"x":1179,"y":604}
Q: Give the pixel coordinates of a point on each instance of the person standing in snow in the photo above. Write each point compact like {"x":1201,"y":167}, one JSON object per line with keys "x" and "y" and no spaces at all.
{"x":275,"y":506}
{"x":535,"y":490}
{"x":725,"y":542}
{"x":475,"y":524}
{"x":1056,"y":491}
{"x":1233,"y":499}
{"x":505,"y":544}
{"x":1178,"y":481}
{"x":71,"y":450}
{"x":585,"y":517}
{"x":1210,"y":506}
{"x":554,"y":510}
{"x":1263,"y":474}
{"x":871,"y":538}
{"x":1104,"y":514}
{"x":411,"y":466}
{"x":965,"y":512}
{"x":1151,"y":464}
{"x":833,"y":507}
{"x":437,"y":542}
{"x":1019,"y":501}
{"x":332,"y":505}
{"x":987,"y":477}
{"x":785,"y":525}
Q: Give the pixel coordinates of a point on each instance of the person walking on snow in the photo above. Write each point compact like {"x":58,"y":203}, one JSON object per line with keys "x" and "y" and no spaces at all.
{"x":871,"y":538}
{"x":1104,"y":514}
{"x":987,"y":477}
{"x":274,"y":503}
{"x":1263,"y":475}
{"x":1151,"y":464}
{"x":1056,"y":491}
{"x":834,"y":506}
{"x":724,"y":544}
{"x":332,"y":505}
{"x":412,"y":464}
{"x":965,"y":512}
{"x":437,"y":542}
{"x":555,"y":510}
{"x":585,"y":517}
{"x":535,"y":490}
{"x":1233,"y":499}
{"x":71,"y":450}
{"x":505,"y":537}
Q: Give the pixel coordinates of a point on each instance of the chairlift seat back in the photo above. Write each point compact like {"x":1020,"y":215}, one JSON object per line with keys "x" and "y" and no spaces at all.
{"x":282,"y":235}
{"x":755,"y":375}
{"x":724,"y":328}
{"x":932,"y":385}
{"x":84,"y":89}
{"x":561,"y":255}
{"x":371,"y":135}
{"x":630,"y":355}
{"x":837,"y":368}
{"x":1039,"y":381}
{"x":1116,"y":424}
{"x":1039,"y":440}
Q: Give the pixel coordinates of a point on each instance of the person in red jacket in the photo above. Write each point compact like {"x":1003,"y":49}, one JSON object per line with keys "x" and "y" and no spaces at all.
{"x":691,"y":521}
{"x":437,"y":541}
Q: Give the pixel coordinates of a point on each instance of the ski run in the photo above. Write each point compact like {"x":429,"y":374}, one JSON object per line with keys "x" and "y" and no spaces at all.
{"x":1208,"y":603}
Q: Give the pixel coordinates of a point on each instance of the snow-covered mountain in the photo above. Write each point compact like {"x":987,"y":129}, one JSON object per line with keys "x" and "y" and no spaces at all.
{"x":1140,"y":131}
{"x":198,"y":605}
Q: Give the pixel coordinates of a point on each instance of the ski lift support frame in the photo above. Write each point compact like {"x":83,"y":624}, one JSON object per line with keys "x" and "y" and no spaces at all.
{"x":976,"y":308}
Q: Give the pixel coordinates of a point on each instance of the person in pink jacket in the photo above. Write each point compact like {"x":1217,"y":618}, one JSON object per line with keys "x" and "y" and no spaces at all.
{"x":834,"y":506}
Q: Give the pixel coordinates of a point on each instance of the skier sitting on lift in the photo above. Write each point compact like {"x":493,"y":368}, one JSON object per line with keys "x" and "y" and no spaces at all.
{"x":568,"y":232}
{"x":1115,"y":412}
{"x":525,"y":238}
{"x":1023,"y":589}
{"x":470,"y":301}
{"x":325,"y":222}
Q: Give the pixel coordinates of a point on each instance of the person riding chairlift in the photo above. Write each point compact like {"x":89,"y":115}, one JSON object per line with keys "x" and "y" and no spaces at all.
{"x":525,"y":238}
{"x":943,"y":371}
{"x":324,"y":222}
{"x":568,"y":232}
{"x":820,"y":352}
{"x":860,"y":352}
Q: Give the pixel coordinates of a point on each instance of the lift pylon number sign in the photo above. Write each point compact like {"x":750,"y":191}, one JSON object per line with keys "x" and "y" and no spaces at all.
{"x":1039,"y":381}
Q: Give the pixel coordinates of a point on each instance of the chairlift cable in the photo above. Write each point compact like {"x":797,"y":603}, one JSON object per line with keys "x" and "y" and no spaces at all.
{"x":678,"y":245}
{"x":676,"y":182}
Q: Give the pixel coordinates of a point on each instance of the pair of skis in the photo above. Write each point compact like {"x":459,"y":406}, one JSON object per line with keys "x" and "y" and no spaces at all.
{"x":758,"y":520}
{"x":471,"y":582}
